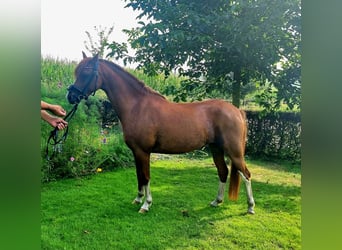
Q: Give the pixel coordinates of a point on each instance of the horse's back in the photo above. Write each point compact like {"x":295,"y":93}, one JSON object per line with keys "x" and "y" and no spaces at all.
{"x":202,"y":115}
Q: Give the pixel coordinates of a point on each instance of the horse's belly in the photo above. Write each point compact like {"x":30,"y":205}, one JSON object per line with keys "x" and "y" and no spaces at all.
{"x":178,"y":145}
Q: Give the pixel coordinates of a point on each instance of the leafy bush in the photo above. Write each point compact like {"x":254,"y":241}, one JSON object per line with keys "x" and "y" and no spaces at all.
{"x":89,"y":147}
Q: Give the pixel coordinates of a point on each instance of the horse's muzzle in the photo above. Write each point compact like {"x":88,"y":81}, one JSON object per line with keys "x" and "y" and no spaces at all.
{"x":74,"y":96}
{"x":72,"y":99}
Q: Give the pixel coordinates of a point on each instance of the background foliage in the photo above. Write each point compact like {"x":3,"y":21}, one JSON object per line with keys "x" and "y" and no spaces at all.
{"x":227,"y":43}
{"x":274,"y":135}
{"x":90,"y":147}
{"x":95,"y":142}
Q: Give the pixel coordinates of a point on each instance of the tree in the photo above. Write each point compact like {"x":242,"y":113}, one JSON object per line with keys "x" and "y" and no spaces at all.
{"x":226,"y":43}
{"x":98,"y":47}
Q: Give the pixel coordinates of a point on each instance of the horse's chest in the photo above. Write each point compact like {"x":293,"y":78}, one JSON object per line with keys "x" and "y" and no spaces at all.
{"x":142,"y":136}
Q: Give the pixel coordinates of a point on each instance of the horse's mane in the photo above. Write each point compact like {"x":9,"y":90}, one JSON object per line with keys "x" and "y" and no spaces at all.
{"x":139,"y":84}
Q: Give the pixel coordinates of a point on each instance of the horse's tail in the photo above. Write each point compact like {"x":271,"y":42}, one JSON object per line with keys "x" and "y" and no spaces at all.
{"x":245,"y":128}
{"x":234,"y":183}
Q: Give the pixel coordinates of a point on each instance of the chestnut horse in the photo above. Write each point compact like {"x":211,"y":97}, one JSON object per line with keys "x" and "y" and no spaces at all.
{"x":152,"y":124}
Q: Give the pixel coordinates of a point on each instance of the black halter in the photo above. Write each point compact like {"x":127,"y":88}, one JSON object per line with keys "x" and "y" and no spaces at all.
{"x":82,"y":93}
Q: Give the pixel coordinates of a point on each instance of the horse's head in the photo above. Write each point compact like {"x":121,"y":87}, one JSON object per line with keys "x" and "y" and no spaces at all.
{"x":87,"y":82}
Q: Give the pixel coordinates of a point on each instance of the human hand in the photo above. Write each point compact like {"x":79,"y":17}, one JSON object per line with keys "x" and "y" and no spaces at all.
{"x":58,"y":122}
{"x":57,"y":110}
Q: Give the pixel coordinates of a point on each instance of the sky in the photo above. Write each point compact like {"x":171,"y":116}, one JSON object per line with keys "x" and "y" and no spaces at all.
{"x":64,"y":22}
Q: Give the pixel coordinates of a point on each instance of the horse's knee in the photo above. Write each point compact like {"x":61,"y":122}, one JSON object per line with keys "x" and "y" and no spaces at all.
{"x":240,"y":165}
{"x":223,"y":174}
{"x":246,"y":173}
{"x":246,"y":176}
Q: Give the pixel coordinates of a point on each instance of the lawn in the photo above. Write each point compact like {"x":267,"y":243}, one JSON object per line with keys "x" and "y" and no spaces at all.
{"x":96,"y":212}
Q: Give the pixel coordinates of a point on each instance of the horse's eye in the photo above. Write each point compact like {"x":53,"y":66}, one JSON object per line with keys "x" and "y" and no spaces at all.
{"x":87,"y":71}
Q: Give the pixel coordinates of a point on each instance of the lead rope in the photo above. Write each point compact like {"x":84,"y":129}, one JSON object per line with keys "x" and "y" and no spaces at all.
{"x":56,"y":143}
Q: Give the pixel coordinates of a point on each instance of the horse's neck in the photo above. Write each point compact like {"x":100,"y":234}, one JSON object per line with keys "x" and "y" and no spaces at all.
{"x":122,"y":93}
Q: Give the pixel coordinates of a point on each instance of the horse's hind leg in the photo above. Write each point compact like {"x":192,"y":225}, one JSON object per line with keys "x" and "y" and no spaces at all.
{"x":239,"y":168}
{"x":250,"y":199}
{"x":222,"y":169}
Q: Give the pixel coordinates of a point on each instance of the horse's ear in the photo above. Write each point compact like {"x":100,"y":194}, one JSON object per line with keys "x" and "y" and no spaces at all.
{"x":84,"y":55}
{"x":95,"y":60}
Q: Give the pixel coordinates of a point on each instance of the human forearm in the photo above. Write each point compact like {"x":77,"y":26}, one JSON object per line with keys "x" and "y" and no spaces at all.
{"x":56,"y":109}
{"x":46,"y":116}
{"x":53,"y":121}
{"x":45,"y":105}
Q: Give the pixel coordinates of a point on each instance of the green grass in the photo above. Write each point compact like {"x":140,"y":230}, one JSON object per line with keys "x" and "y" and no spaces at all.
{"x":96,"y":212}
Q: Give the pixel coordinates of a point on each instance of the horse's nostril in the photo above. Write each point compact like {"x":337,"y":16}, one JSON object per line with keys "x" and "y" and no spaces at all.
{"x":71,"y":98}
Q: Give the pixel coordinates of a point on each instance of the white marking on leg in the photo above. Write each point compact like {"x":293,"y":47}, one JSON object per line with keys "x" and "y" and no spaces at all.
{"x":139,"y":198}
{"x":220,"y":195}
{"x":250,"y":199}
{"x":148,"y":202}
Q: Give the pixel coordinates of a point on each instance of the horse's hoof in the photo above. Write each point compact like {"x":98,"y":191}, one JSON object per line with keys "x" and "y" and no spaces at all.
{"x":143,"y":211}
{"x":135,"y":202}
{"x":216,"y":203}
{"x":250,"y":211}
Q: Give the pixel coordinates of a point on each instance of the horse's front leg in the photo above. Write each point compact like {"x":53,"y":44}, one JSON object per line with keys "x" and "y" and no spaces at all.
{"x":142,"y":163}
{"x":148,"y":201}
{"x":140,"y":196}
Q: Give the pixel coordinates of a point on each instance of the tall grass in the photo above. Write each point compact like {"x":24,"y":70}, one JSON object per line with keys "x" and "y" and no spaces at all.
{"x":56,"y":76}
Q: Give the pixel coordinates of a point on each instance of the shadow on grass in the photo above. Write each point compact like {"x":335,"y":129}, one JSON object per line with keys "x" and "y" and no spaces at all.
{"x":175,"y":186}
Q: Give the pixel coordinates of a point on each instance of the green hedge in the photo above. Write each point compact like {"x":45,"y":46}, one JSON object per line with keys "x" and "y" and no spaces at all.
{"x":275,"y":135}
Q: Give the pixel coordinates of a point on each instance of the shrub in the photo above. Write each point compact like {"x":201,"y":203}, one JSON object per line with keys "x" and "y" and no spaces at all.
{"x":274,"y":135}
{"x":86,"y":150}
